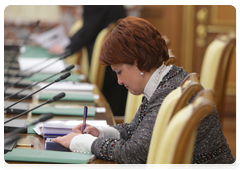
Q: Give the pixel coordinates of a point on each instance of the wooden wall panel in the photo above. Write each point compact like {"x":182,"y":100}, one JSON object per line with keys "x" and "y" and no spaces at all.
{"x":168,"y":20}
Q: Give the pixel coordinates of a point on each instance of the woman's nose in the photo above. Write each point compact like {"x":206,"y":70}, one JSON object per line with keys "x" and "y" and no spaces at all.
{"x":120,"y":82}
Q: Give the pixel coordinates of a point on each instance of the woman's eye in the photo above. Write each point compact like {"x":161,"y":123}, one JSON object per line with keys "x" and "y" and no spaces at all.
{"x":119,"y":72}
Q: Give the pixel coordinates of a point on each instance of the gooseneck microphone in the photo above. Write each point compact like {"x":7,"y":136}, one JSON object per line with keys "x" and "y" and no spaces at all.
{"x":10,"y":140}
{"x":34,"y":26}
{"x":62,"y":77}
{"x":37,"y":70}
{"x":63,"y":56}
{"x":41,"y":118}
{"x":55,"y":98}
{"x":24,"y":42}
{"x":66,"y":69}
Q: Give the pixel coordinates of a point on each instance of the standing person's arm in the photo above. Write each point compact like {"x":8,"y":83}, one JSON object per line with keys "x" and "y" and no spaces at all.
{"x":93,"y":15}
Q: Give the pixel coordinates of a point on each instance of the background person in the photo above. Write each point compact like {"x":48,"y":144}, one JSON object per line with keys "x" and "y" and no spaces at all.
{"x":96,"y":18}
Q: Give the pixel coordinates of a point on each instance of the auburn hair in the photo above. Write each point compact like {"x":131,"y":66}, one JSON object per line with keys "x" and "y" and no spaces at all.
{"x":134,"y":39}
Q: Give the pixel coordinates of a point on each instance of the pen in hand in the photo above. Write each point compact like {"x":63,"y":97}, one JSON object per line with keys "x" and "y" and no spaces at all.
{"x":84,"y":118}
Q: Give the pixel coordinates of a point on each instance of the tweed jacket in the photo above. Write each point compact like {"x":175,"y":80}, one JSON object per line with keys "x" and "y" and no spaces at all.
{"x":135,"y":137}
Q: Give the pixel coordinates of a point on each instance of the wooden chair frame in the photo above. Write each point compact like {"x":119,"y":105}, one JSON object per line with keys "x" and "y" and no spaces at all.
{"x":189,"y":86}
{"x":220,"y":81}
{"x":183,"y":152}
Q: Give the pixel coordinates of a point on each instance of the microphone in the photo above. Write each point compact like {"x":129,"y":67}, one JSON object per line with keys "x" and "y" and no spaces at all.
{"x":55,"y":98}
{"x":64,"y":70}
{"x":64,"y":55}
{"x":41,"y":118}
{"x":34,"y":26}
{"x":24,"y":42}
{"x":62,"y":77}
{"x":23,"y":76}
{"x":10,"y":140}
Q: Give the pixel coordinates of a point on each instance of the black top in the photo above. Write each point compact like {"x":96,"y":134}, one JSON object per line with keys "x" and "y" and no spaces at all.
{"x":96,"y":18}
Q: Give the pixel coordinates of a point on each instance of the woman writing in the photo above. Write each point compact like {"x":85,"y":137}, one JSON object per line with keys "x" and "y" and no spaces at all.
{"x":136,"y":51}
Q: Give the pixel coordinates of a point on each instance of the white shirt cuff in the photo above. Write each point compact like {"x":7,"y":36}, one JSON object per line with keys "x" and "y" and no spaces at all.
{"x":82,"y":143}
{"x":106,"y":131}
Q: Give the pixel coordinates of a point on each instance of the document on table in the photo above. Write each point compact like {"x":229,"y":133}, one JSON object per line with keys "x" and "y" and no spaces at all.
{"x":63,"y":126}
{"x":51,"y":37}
{"x":54,"y":67}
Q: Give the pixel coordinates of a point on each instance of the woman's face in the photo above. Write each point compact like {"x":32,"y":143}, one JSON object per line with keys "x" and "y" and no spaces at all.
{"x":130,"y":77}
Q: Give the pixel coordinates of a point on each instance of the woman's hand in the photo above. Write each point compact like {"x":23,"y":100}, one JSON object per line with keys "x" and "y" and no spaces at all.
{"x":89,"y":130}
{"x":65,"y":140}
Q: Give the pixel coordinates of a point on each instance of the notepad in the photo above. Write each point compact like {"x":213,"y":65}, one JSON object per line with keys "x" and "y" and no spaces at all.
{"x":68,"y":111}
{"x":47,"y":156}
{"x":68,"y":97}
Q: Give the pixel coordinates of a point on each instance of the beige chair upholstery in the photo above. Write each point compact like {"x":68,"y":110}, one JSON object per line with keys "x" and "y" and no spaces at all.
{"x":171,"y":59}
{"x":80,"y":57}
{"x":73,"y":59}
{"x":174,"y":101}
{"x":176,"y":146}
{"x":215,"y":67}
{"x":84,"y":64}
{"x":97,"y":71}
{"x":132,"y":105}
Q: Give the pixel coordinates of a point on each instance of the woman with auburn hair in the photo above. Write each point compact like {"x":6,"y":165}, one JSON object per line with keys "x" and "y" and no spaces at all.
{"x":136,"y":51}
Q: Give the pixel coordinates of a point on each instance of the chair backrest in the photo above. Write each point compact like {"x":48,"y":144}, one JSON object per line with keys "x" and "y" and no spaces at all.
{"x":132,"y":105}
{"x":202,"y":107}
{"x":97,"y":71}
{"x":173,"y":102}
{"x":171,"y":59}
{"x":215,"y":67}
{"x":176,"y":146}
{"x":73,"y":59}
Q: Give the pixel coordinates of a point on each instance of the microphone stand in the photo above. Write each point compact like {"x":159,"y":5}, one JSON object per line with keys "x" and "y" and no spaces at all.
{"x":17,"y":52}
{"x":10,"y":141}
{"x":64,"y":76}
{"x":67,"y":69}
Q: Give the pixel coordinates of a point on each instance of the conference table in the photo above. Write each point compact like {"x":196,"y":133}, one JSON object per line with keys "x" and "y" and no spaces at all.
{"x":39,"y":142}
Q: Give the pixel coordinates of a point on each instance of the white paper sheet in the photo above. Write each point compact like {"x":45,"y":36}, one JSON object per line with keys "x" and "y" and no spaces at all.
{"x":51,"y":37}
{"x":64,"y":126}
{"x":54,"y":67}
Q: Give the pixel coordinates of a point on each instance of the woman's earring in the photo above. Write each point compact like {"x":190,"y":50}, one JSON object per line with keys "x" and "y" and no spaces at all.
{"x":142,"y":73}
